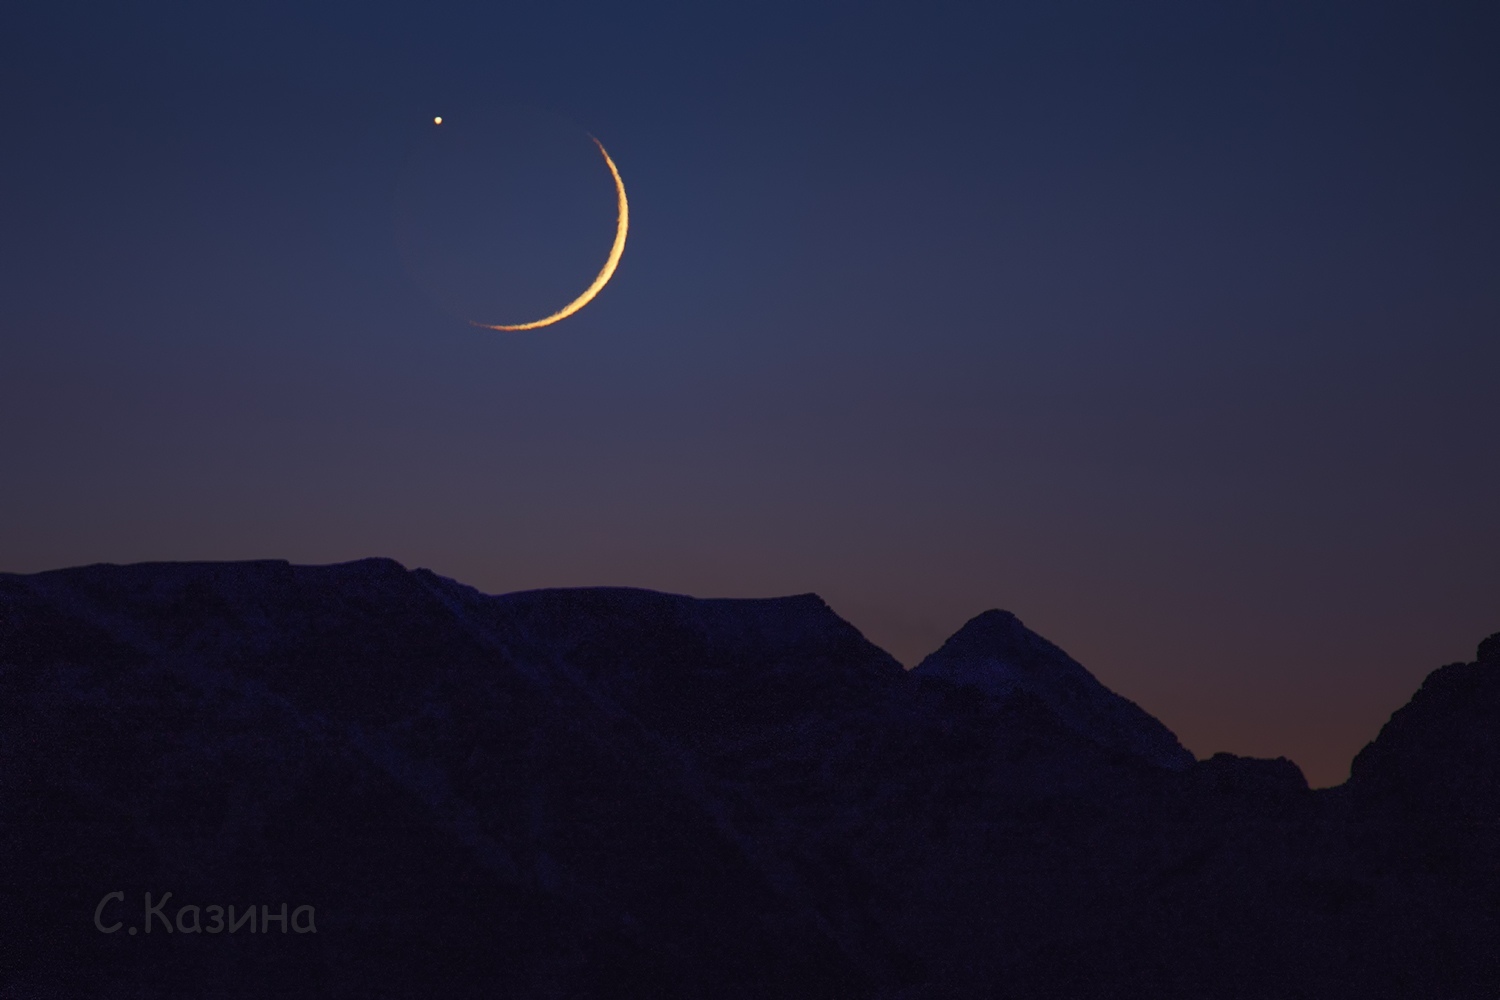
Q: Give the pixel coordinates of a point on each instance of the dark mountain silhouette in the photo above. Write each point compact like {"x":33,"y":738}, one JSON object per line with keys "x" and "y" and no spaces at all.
{"x":619,"y":793}
{"x":996,"y":654}
{"x":1439,"y":756}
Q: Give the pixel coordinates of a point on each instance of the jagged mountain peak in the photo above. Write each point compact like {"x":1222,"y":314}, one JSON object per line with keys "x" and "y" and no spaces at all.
{"x":996,"y":653}
{"x":1440,"y":752}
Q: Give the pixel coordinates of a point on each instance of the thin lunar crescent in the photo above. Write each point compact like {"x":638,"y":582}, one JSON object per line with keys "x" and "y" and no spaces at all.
{"x":605,"y":273}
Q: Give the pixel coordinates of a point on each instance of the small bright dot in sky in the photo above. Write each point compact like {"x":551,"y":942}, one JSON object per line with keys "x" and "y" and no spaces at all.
{"x":438,"y":120}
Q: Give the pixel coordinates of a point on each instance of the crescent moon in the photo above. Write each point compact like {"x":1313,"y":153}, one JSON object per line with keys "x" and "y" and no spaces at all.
{"x":605,"y":273}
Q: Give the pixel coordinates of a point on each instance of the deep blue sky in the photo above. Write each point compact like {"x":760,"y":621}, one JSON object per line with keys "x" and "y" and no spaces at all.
{"x":1173,"y":327}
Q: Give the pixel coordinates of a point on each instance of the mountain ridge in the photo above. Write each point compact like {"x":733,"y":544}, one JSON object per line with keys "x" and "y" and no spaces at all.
{"x":611,"y":792}
{"x":996,"y":653}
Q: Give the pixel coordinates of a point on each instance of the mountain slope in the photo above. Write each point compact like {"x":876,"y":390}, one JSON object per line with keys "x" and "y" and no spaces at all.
{"x":618,"y":793}
{"x":996,"y":654}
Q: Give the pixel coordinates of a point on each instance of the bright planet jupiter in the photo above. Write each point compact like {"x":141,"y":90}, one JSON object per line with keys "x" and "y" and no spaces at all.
{"x":622,"y":225}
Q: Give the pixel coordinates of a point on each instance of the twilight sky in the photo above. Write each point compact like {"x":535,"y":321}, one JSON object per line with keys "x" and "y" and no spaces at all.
{"x":1173,"y":327}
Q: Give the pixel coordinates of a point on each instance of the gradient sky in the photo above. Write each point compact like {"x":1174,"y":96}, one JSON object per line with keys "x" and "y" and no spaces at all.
{"x":1173,"y":327}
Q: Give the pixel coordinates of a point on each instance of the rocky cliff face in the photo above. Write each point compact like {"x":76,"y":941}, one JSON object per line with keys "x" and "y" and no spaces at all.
{"x":618,"y":793}
{"x":1439,"y":756}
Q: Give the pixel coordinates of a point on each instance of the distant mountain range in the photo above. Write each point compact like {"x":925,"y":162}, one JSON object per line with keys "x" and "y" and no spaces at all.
{"x":618,"y":793}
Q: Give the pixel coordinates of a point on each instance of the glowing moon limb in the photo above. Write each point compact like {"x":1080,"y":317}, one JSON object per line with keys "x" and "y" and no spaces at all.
{"x":605,"y":273}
